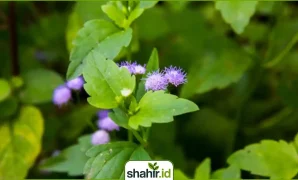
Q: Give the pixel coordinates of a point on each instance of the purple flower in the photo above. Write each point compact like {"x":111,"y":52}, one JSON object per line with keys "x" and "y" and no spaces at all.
{"x":175,"y":75}
{"x":134,"y":68}
{"x":156,"y":81}
{"x":61,"y":95}
{"x":103,"y":114}
{"x":128,"y":66}
{"x":100,"y":137}
{"x":139,"y":69}
{"x":75,"y":84}
{"x":107,"y":124}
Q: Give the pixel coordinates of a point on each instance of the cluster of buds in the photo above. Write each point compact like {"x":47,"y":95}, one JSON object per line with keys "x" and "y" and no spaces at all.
{"x":62,"y":94}
{"x":105,"y":124}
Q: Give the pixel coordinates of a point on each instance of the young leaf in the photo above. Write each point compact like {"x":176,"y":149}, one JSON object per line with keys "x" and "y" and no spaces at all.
{"x":105,"y":81}
{"x":4,"y":90}
{"x":20,"y":143}
{"x":236,"y":13}
{"x":203,"y":170}
{"x":93,"y":32}
{"x":152,"y":65}
{"x":71,"y":160}
{"x":267,"y":158}
{"x":115,"y":13}
{"x":39,"y":86}
{"x":159,"y":107}
{"x":108,"y":161}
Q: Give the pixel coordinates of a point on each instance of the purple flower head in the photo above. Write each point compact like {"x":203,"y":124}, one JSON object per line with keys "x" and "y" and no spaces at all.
{"x":175,"y":75}
{"x":127,"y":65}
{"x":100,"y":137}
{"x":134,"y":68}
{"x":107,"y":124}
{"x":75,"y":84}
{"x":61,"y":95}
{"x":103,"y":114}
{"x":156,"y":81}
{"x":139,"y":69}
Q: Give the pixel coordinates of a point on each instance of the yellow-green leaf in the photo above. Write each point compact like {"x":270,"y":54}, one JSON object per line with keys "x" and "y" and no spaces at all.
{"x":20,"y":143}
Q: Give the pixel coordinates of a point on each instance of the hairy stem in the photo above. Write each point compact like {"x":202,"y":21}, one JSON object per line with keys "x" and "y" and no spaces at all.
{"x":139,"y":138}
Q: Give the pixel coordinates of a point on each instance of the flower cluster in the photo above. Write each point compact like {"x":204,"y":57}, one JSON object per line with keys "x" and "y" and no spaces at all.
{"x":133,"y":68}
{"x":160,"y":80}
{"x":105,"y":124}
{"x":62,"y":94}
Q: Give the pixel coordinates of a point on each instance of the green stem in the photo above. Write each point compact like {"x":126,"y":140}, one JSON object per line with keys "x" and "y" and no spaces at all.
{"x":130,"y":136}
{"x":146,"y":135}
{"x":139,"y":138}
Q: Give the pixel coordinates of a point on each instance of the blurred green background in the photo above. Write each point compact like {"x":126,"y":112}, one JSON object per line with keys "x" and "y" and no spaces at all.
{"x":245,"y":84}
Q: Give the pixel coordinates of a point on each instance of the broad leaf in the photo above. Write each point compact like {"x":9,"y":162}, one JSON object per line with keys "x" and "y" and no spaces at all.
{"x":279,"y":45}
{"x":278,"y":160}
{"x":108,"y":161}
{"x":232,"y":172}
{"x":236,"y":13}
{"x":87,"y":38}
{"x":39,"y":86}
{"x":159,"y":107}
{"x":152,"y":65}
{"x":79,"y":16}
{"x":203,"y":170}
{"x":220,"y":64}
{"x":105,"y":81}
{"x":20,"y":143}
{"x":71,"y":160}
{"x":4,"y":90}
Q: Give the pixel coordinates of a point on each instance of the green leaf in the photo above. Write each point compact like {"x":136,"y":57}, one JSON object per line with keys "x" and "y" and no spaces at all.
{"x":105,"y":87}
{"x":178,"y":174}
{"x":119,"y":117}
{"x":112,"y":45}
{"x":236,"y":13}
{"x":232,"y":172}
{"x":21,"y":143}
{"x":278,"y":160}
{"x":203,"y":170}
{"x":93,"y":32}
{"x":5,"y":89}
{"x":39,"y":86}
{"x":8,"y":107}
{"x":147,"y":4}
{"x":279,"y":45}
{"x":152,"y":65}
{"x":71,"y":160}
{"x":108,"y":161}
{"x":216,"y":67}
{"x":115,"y":13}
{"x":79,"y":16}
{"x":159,"y":107}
